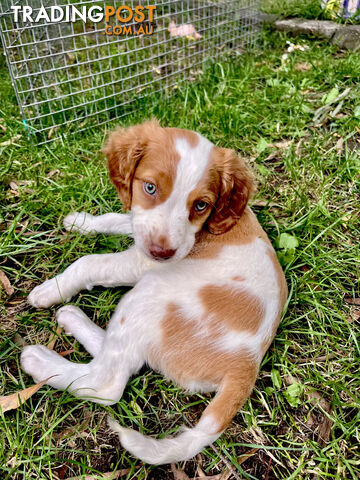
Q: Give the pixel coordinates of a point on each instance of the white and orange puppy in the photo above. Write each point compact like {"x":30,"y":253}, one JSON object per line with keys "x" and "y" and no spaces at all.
{"x":208,"y":289}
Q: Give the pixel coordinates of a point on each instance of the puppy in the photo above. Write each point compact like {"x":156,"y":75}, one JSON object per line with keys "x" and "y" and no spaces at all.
{"x":208,"y":289}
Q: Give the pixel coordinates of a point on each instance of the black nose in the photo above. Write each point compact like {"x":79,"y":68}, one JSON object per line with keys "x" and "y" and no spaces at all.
{"x":160,"y":253}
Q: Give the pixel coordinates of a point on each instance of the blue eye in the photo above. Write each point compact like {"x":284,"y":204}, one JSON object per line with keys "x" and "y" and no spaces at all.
{"x":149,"y":188}
{"x":200,"y":206}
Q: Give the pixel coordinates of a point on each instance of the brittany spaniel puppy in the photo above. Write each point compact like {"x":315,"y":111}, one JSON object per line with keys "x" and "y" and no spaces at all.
{"x":208,"y":288}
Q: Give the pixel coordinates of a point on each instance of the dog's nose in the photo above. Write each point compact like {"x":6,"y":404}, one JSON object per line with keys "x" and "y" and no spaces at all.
{"x":160,"y":253}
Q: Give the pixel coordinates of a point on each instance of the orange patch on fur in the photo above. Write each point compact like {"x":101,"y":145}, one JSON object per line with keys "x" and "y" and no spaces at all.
{"x":245,"y":231}
{"x":232,"y":396}
{"x":185,"y":355}
{"x":238,"y":309}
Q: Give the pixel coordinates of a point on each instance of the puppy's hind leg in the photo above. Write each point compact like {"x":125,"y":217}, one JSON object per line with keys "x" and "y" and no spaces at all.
{"x":74,"y":321}
{"x":122,"y":353}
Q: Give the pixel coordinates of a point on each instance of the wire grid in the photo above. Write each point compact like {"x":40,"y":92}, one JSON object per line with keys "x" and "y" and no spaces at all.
{"x":71,"y":76}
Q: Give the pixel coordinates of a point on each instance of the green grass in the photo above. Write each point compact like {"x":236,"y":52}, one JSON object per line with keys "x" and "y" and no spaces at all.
{"x":308,"y":188}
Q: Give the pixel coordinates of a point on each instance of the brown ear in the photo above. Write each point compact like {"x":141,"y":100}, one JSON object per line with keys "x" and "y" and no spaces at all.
{"x":124,"y":149}
{"x":236,"y":186}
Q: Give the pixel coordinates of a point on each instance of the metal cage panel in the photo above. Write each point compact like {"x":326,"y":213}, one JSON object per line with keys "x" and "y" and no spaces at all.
{"x":71,"y":76}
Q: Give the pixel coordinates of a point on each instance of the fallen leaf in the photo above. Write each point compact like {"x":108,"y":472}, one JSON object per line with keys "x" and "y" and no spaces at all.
{"x":53,"y":172}
{"x":19,"y":341}
{"x":65,"y":353}
{"x":14,"y":185}
{"x":324,"y":426}
{"x":178,"y":474}
{"x":262,"y":203}
{"x":246,"y":455}
{"x":354,"y":315}
{"x":11,"y":141}
{"x":5,"y":282}
{"x":53,"y":337}
{"x":3,"y":128}
{"x":10,"y":402}
{"x":302,"y":66}
{"x":352,"y":301}
{"x":339,"y":146}
{"x":284,"y":144}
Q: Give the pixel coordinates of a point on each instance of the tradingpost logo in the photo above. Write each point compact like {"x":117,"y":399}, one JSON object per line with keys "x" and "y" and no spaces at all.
{"x":132,"y":21}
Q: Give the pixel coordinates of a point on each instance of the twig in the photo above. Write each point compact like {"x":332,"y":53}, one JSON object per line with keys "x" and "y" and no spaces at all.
{"x":268,"y":469}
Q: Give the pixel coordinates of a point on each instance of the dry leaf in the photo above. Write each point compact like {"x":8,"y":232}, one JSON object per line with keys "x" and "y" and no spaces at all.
{"x":5,"y":282}
{"x":53,"y":338}
{"x":65,"y":353}
{"x":10,"y":402}
{"x":281,"y":145}
{"x":19,"y":341}
{"x":339,"y":146}
{"x":302,"y":66}
{"x":3,"y":128}
{"x":246,"y":455}
{"x":354,"y":315}
{"x":199,"y":463}
{"x":352,"y":301}
{"x":324,"y":426}
{"x":14,"y":185}
{"x":178,"y":474}
{"x":263,"y":203}
{"x":11,"y":141}
{"x":53,"y":172}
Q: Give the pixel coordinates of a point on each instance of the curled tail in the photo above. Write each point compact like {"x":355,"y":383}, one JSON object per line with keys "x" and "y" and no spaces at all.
{"x":189,"y":442}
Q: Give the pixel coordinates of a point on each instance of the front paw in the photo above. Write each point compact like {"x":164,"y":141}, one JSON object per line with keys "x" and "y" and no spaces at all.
{"x":47,"y":294}
{"x":72,"y":320}
{"x":81,"y":222}
{"x":42,"y":364}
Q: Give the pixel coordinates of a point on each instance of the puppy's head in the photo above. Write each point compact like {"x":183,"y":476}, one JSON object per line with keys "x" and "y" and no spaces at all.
{"x":175,"y":182}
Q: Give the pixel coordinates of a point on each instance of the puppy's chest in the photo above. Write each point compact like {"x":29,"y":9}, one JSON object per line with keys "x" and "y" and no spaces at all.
{"x":214,"y":298}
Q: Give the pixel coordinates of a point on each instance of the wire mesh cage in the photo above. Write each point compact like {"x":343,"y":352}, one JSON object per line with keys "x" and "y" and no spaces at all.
{"x":74,"y":73}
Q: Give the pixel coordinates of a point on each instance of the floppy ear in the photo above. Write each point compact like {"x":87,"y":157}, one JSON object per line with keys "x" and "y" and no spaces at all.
{"x":236,"y":186}
{"x":124,"y":149}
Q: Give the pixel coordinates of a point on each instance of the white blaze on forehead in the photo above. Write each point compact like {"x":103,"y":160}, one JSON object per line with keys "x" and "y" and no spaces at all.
{"x":191,"y":168}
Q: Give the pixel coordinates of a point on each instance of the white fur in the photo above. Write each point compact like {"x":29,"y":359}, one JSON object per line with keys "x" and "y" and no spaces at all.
{"x":134,"y":328}
{"x":170,"y":449}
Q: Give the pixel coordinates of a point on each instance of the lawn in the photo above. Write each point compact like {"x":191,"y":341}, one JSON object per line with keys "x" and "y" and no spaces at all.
{"x":302,"y":420}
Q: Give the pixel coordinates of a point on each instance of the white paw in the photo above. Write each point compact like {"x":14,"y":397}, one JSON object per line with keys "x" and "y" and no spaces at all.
{"x":81,"y":222}
{"x":47,"y":294}
{"x":42,"y":363}
{"x":71,"y":319}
